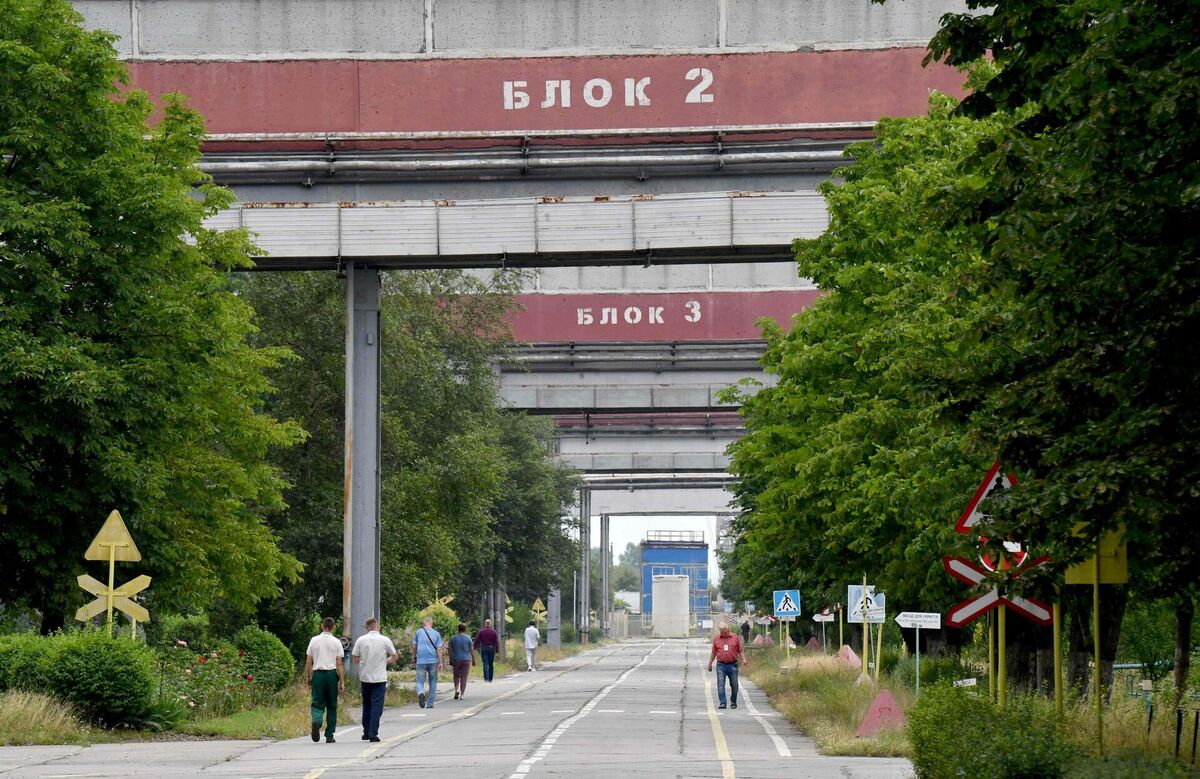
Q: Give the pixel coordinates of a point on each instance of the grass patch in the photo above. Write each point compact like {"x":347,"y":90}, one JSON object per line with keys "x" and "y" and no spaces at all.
{"x":288,"y":717}
{"x":35,"y":718}
{"x":818,"y":696}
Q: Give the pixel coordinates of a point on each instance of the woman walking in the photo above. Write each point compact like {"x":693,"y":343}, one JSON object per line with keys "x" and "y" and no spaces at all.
{"x":462,"y":657}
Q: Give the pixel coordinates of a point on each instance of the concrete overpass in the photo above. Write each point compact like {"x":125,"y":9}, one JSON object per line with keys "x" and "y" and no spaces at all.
{"x":650,"y":161}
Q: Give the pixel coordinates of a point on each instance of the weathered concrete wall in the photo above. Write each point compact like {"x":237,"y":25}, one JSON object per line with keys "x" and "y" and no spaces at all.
{"x":189,"y":29}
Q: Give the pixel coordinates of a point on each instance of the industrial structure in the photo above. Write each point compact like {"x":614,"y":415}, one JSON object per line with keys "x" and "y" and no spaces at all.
{"x":676,"y":553}
{"x":649,"y":162}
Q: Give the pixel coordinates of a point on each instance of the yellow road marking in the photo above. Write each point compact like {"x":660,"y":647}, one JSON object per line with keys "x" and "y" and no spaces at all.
{"x":727,"y":771}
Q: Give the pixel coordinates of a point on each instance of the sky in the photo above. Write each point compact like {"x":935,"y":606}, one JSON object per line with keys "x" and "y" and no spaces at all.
{"x":626,"y":530}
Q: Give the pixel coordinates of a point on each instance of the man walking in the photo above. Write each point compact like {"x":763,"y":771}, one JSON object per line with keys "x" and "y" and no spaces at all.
{"x":532,"y":639}
{"x":427,"y":649}
{"x":746,"y":630}
{"x":373,"y":653}
{"x":462,"y":657}
{"x":323,"y":668}
{"x":487,"y":641}
{"x":726,"y":649}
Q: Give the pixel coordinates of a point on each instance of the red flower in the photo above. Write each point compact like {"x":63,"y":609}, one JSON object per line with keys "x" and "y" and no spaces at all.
{"x":241,"y":653}
{"x":203,"y":659}
{"x":249,"y":677}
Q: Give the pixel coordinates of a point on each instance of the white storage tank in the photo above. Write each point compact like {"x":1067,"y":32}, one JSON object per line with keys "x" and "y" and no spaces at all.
{"x":671,"y":617}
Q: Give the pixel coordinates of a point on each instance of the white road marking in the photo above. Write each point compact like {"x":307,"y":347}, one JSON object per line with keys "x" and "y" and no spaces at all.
{"x":610,"y":711}
{"x":563,"y":711}
{"x":780,"y":745}
{"x":656,"y":711}
{"x":544,"y":747}
{"x":406,"y":716}
{"x":507,"y":713}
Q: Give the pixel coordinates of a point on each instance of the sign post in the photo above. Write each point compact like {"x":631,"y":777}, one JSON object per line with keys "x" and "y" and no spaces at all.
{"x":866,"y":606}
{"x":823,"y":617}
{"x":111,"y":544}
{"x":919,"y":619}
{"x":787,"y":608}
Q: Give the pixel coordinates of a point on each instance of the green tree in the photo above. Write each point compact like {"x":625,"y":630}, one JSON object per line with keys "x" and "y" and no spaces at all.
{"x":627,"y":573}
{"x":850,"y":465}
{"x":126,"y":379}
{"x":1090,"y":230}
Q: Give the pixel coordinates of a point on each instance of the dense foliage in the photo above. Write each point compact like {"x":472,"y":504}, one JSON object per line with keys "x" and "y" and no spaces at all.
{"x":471,"y":494}
{"x":126,"y":380}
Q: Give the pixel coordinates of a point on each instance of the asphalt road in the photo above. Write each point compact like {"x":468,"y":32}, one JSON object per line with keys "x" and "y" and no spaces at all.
{"x":638,"y":708}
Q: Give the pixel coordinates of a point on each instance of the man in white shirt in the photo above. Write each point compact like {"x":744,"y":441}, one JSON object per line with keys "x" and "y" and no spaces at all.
{"x":532,"y":639}
{"x":323,"y":667}
{"x":372,"y":654}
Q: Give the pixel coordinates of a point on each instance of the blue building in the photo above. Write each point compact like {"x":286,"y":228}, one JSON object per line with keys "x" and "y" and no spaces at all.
{"x":676,"y":552}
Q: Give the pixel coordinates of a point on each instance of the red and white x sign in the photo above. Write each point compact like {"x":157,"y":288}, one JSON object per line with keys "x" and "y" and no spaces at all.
{"x":966,"y":571}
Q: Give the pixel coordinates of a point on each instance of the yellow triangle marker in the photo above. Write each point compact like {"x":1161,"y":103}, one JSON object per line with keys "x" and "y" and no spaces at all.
{"x":113,"y":542}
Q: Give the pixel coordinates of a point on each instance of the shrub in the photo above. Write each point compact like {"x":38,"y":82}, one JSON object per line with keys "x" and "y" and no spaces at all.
{"x":267,"y":660}
{"x":933,"y":670}
{"x":215,"y":682}
{"x":23,"y":662}
{"x":163,"y":715}
{"x":1017,"y":743}
{"x":192,"y":629}
{"x":110,"y":680}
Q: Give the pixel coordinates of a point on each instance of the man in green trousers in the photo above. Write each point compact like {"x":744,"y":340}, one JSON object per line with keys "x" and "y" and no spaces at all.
{"x":323,"y":667}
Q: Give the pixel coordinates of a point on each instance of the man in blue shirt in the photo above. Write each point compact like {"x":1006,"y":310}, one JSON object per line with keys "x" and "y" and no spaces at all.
{"x":427,"y":649}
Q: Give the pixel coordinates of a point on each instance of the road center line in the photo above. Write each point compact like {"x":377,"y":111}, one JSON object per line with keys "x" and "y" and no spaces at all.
{"x":547,"y":743}
{"x":727,"y":771}
{"x":780,"y":745}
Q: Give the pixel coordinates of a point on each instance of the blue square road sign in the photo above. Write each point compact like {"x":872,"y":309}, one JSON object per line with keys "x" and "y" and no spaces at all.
{"x":787,"y":603}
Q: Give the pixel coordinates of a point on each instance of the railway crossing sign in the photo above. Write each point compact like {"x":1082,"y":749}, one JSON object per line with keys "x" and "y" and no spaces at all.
{"x":787,"y":603}
{"x":994,"y":480}
{"x":539,"y":610}
{"x":113,"y":543}
{"x":973,"y":608}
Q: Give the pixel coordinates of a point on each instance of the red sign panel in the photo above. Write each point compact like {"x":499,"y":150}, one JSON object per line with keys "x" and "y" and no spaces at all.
{"x":552,"y":93}
{"x":668,"y":316}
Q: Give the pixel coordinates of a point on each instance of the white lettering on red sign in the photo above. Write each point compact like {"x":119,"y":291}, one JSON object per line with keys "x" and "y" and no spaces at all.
{"x":633,"y":315}
{"x":598,"y":92}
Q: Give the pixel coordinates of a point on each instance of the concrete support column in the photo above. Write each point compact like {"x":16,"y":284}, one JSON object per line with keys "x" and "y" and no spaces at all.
{"x":360,"y":511}
{"x":554,"y":618}
{"x":585,"y":564}
{"x":605,"y":566}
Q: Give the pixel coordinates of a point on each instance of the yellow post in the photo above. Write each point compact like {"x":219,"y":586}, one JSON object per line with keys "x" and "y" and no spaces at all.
{"x":112,"y":582}
{"x":841,"y":621}
{"x":1096,"y":642}
{"x":787,"y":642}
{"x":133,"y":629}
{"x":866,"y":633}
{"x":1058,"y":679}
{"x":991,"y":631}
{"x":1001,"y":663}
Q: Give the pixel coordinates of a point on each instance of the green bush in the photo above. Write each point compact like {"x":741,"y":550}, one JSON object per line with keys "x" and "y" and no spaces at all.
{"x":933,"y":670}
{"x":23,"y":662}
{"x":215,"y":682}
{"x":110,"y":680}
{"x":267,"y":660}
{"x":954,"y":733}
{"x":192,"y":630}
{"x":1117,"y":768}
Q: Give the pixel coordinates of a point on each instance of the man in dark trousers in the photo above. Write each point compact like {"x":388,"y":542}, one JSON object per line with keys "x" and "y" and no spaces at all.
{"x":726,"y":649}
{"x":746,"y":631}
{"x":323,"y":668}
{"x":487,"y":641}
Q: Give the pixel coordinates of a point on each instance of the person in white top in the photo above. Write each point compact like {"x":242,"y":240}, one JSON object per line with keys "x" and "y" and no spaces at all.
{"x":373,"y":653}
{"x":532,"y":639}
{"x":323,"y":667}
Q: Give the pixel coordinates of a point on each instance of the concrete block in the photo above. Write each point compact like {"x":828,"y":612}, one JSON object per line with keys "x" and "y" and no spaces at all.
{"x":518,"y":397}
{"x":110,"y":15}
{"x":834,"y":23}
{"x":205,"y":27}
{"x":683,"y":397}
{"x":624,"y":397}
{"x":481,"y":25}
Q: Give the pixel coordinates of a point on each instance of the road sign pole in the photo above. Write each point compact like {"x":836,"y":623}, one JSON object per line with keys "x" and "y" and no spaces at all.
{"x":878,"y":650}
{"x":1096,"y":643}
{"x":1058,"y":679}
{"x":918,"y":661}
{"x":991,"y":631}
{"x":824,"y":646}
{"x":112,"y":582}
{"x":866,"y":633}
{"x":1001,"y":659}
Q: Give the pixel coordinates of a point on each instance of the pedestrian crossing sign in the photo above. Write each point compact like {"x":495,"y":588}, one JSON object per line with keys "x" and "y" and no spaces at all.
{"x":787,"y":603}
